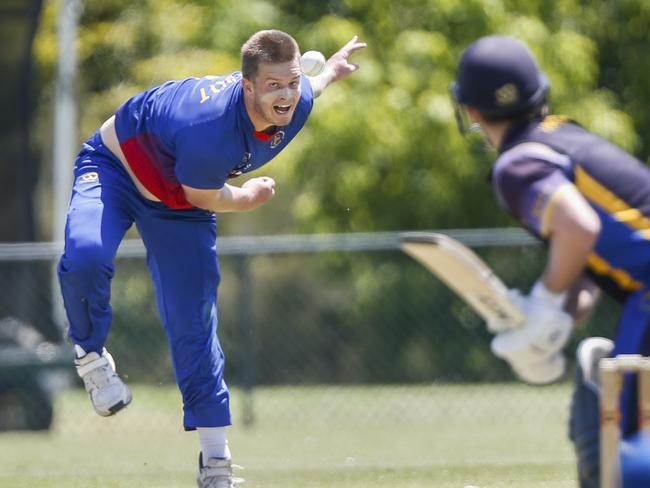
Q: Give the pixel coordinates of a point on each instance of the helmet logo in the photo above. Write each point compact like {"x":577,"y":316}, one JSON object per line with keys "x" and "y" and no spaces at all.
{"x":506,"y":95}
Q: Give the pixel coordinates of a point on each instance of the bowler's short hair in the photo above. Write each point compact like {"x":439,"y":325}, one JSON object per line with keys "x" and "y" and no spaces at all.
{"x":267,"y":46}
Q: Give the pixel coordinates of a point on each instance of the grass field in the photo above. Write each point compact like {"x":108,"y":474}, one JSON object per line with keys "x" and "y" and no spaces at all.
{"x":440,"y":436}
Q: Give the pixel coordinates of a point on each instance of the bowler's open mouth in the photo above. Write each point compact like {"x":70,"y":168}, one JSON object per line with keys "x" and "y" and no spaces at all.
{"x":282,"y":109}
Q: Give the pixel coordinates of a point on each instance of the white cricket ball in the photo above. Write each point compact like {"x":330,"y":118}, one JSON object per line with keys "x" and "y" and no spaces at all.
{"x":312,"y":63}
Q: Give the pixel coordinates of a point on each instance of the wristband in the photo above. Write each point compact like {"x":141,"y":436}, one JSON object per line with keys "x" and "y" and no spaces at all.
{"x":540,"y":292}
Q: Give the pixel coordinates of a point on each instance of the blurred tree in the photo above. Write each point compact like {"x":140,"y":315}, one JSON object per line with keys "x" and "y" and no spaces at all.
{"x":381,"y":151}
{"x":620,"y":31}
{"x":18,"y":162}
{"x":391,"y":158}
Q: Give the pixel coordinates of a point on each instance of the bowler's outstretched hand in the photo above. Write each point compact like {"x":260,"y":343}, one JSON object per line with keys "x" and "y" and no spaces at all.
{"x":339,"y":63}
{"x":338,"y":67}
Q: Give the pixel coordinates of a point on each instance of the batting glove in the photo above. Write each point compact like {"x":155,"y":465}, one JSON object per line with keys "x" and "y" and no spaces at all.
{"x":542,"y":372}
{"x":533,"y":350}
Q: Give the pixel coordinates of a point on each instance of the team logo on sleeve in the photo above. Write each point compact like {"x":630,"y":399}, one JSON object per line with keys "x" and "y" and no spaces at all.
{"x":552,"y":122}
{"x":89,"y":177}
{"x":277,"y":139}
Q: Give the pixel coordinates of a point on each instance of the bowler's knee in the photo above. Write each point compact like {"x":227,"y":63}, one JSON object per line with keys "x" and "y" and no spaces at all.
{"x":85,"y":263}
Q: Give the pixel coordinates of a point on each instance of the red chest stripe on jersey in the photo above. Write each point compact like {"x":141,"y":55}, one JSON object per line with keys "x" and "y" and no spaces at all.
{"x":149,"y":174}
{"x":263,"y":136}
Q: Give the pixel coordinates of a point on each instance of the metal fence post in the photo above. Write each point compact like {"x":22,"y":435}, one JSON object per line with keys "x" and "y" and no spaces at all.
{"x":64,"y":137}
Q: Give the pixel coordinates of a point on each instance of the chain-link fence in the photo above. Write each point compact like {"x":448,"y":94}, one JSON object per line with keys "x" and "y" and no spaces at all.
{"x":348,"y":309}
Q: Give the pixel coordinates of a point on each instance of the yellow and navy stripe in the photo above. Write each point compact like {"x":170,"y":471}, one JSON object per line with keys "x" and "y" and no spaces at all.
{"x":616,"y":184}
{"x":618,"y":219}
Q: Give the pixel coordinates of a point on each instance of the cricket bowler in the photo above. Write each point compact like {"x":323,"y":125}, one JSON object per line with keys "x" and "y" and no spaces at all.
{"x":165,"y":161}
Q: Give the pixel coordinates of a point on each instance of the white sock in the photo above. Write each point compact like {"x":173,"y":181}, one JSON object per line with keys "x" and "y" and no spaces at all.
{"x":213,"y":443}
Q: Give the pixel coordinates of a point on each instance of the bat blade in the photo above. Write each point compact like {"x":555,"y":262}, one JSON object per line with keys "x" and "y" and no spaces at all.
{"x":467,"y":275}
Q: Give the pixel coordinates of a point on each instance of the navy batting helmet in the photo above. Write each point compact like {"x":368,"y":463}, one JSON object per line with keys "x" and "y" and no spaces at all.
{"x":499,"y":77}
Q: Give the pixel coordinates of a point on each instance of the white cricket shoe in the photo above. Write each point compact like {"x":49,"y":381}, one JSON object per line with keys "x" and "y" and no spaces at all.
{"x":217,"y":473}
{"x":108,"y":393}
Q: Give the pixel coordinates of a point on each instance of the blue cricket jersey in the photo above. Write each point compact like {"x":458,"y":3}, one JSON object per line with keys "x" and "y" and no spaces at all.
{"x":539,"y":158}
{"x":196,"y":132}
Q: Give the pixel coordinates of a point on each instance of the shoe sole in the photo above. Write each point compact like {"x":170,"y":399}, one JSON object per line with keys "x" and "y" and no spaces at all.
{"x":117,"y":407}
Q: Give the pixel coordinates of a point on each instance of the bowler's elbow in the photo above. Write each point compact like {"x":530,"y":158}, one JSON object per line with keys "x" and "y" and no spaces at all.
{"x":200,"y":198}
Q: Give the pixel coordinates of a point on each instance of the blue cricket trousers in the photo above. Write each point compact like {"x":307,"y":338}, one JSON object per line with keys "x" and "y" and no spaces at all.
{"x":182,"y":261}
{"x":632,"y":337}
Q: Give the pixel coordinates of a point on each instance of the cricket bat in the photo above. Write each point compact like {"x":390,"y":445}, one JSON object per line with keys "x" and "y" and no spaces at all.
{"x":467,"y":275}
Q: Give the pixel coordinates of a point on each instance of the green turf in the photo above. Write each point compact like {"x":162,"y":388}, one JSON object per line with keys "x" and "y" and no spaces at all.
{"x":439,"y":436}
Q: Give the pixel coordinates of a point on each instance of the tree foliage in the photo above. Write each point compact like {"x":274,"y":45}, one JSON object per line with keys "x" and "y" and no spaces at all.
{"x":381,"y":150}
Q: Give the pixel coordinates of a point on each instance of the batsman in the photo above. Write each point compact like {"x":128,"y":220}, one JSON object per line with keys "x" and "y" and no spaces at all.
{"x":589,"y":202}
